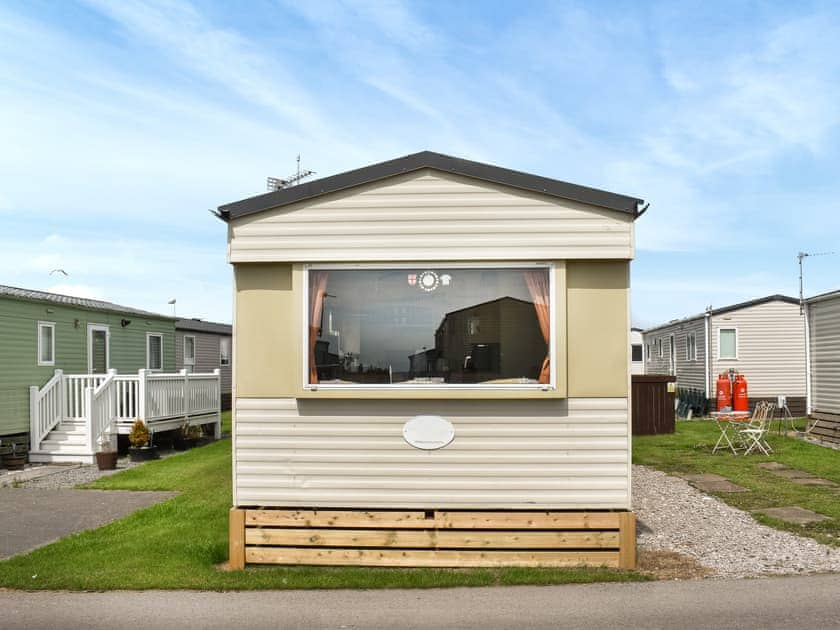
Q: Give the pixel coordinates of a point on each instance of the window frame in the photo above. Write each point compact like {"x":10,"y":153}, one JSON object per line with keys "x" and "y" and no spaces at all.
{"x":641,"y":348}
{"x":51,"y":326}
{"x":191,"y":362}
{"x":314,"y":387}
{"x":691,"y":346}
{"x":720,"y":356}
{"x":230,"y":350}
{"x":149,"y":335}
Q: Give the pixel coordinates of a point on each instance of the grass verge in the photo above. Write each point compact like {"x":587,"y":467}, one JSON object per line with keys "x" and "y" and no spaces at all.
{"x":177,"y":545}
{"x":689,"y":450}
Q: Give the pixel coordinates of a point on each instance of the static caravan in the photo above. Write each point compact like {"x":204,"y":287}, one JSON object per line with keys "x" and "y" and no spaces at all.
{"x":637,"y":351}
{"x":431,"y":368}
{"x":202,"y":346}
{"x":823,"y":318}
{"x":764,"y":339}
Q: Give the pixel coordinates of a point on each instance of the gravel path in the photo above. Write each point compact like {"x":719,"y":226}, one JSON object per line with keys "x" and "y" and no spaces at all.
{"x":677,"y":517}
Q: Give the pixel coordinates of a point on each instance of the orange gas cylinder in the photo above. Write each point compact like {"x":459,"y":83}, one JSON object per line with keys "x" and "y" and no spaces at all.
{"x":741,"y":402}
{"x":724,"y":391}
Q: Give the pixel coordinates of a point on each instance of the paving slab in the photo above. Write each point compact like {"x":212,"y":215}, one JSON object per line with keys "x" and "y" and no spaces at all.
{"x":32,"y":518}
{"x":709,"y":482}
{"x":791,"y":473}
{"x":794,"y":514}
{"x":815,"y":482}
{"x":772,"y":466}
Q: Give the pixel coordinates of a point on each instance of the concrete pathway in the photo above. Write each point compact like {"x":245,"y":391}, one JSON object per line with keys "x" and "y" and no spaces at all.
{"x":32,"y":518}
{"x":800,"y":602}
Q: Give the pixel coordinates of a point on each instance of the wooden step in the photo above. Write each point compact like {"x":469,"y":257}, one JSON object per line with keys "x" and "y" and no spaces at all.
{"x":41,"y":457}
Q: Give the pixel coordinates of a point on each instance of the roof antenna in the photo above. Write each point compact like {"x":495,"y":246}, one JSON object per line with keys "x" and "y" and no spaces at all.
{"x":274,"y":184}
{"x":800,"y":256}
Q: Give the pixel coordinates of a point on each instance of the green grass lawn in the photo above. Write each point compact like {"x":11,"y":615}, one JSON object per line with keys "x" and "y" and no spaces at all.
{"x":689,"y":450}
{"x":177,"y":545}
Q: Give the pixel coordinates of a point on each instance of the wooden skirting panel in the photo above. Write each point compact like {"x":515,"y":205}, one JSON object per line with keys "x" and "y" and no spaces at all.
{"x":435,"y":538}
{"x":826,"y":427}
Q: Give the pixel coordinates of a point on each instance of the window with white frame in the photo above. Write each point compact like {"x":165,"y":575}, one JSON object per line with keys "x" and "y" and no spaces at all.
{"x":438,"y":326}
{"x":636,"y":352}
{"x":728,"y":343}
{"x":659,"y":347}
{"x":691,"y":347}
{"x":154,"y":351}
{"x":189,"y":350}
{"x":46,"y":343}
{"x":224,"y":351}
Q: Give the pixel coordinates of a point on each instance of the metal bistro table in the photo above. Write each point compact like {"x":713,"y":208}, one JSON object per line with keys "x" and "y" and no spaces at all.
{"x":727,"y":422}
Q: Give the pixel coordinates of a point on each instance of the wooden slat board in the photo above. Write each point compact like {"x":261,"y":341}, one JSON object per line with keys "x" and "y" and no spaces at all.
{"x":432,"y":538}
{"x":441,"y":539}
{"x":433,"y":520}
{"x":428,"y":558}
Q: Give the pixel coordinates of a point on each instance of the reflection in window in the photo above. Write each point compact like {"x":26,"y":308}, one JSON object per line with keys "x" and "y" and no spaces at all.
{"x":434,"y":326}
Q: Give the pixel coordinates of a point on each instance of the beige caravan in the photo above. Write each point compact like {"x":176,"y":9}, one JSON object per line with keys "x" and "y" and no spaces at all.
{"x":431,"y":368}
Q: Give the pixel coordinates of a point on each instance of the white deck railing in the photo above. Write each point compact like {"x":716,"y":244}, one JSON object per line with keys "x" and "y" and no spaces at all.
{"x":107,"y":403}
{"x":46,"y":407}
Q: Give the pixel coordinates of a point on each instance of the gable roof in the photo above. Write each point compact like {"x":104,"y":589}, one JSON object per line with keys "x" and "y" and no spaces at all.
{"x":199,"y":325}
{"x":823,"y":296}
{"x":727,"y":309}
{"x":71,"y":300}
{"x":439,"y":162}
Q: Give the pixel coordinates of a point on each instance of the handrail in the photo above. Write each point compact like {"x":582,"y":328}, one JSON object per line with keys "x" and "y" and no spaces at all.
{"x":46,"y":409}
{"x":100,"y":405}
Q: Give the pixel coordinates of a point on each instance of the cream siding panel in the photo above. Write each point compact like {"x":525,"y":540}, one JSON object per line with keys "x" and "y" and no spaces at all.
{"x":689,"y":373}
{"x":506,"y":454}
{"x":771,"y":348}
{"x":824,"y":324}
{"x":430,"y":215}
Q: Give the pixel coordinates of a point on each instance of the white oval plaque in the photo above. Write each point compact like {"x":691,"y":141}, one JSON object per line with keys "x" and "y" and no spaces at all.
{"x":428,"y":432}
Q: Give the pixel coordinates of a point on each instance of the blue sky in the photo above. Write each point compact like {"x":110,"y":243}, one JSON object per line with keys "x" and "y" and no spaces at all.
{"x":122,"y":123}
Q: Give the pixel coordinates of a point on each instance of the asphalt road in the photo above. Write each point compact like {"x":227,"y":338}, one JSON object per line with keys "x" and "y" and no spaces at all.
{"x":797,"y":602}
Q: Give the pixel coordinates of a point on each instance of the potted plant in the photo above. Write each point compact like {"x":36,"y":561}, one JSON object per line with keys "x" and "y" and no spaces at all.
{"x":106,"y":457}
{"x":140,"y":438}
{"x":193,"y":435}
{"x":16,"y":458}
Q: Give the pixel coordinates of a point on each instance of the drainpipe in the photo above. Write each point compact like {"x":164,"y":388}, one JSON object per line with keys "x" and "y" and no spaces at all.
{"x":808,"y":407}
{"x":707,"y":357}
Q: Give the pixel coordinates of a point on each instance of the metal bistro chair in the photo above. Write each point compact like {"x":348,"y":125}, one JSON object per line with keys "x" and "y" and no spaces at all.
{"x":753,"y":434}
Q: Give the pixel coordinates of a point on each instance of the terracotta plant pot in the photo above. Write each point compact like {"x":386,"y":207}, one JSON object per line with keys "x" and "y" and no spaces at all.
{"x":106,"y":460}
{"x":143,"y":453}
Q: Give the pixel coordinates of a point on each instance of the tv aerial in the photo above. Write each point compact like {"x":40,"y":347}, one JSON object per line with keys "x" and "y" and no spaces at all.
{"x":275,"y":183}
{"x":800,"y":256}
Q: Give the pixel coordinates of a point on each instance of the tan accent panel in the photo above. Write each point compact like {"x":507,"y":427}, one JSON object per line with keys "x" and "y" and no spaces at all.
{"x":267,"y":331}
{"x":597,"y":294}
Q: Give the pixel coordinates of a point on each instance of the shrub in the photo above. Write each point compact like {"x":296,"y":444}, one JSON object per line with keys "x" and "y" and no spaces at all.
{"x":139,"y":435}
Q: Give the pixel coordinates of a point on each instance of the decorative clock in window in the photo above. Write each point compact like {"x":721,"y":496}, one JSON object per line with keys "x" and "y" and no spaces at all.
{"x":428,"y":281}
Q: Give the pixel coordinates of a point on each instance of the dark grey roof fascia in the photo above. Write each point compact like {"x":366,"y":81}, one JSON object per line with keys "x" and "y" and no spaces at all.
{"x":726,"y":309}
{"x":71,"y":300}
{"x":440,"y":162}
{"x":823,"y":296}
{"x":199,"y":325}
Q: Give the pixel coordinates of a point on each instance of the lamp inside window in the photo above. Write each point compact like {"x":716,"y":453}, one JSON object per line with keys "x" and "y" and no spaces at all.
{"x":429,"y":326}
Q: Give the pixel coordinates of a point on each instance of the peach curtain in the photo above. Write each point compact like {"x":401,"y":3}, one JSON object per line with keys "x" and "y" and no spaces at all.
{"x":539,"y":287}
{"x":317,"y":291}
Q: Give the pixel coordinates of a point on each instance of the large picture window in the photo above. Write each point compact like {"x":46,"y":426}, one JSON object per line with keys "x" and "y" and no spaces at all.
{"x":429,"y":326}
